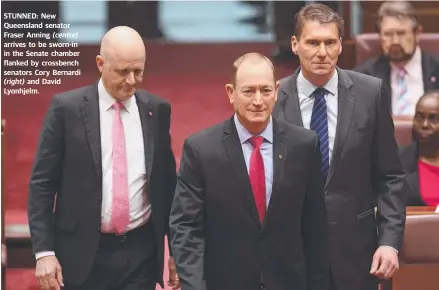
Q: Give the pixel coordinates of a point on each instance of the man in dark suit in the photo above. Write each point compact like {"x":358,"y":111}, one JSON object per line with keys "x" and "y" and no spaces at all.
{"x":105,"y":150}
{"x":406,"y":70}
{"x":249,"y":209}
{"x":350,"y":113}
{"x":420,"y":159}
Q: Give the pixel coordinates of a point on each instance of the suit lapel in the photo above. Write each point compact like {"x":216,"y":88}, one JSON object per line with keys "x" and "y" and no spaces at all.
{"x":148,"y":121}
{"x":90,"y":117}
{"x":346,"y":104}
{"x":409,"y":160}
{"x":279,"y":158}
{"x":383,"y":73}
{"x":233,"y":148}
{"x":292,"y":106}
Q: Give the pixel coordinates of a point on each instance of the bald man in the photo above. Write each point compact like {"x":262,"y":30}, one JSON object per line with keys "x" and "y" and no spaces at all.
{"x":105,"y":156}
{"x":249,"y":209}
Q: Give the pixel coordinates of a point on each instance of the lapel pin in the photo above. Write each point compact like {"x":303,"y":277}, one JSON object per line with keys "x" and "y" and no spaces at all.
{"x":433,"y":79}
{"x":280,"y":156}
{"x":150,"y":113}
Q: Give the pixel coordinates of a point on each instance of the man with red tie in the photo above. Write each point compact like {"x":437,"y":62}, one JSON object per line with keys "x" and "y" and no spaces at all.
{"x":249,"y":210}
{"x":105,"y":151}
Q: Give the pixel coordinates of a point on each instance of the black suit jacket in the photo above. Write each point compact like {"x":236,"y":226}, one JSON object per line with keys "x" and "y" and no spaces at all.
{"x":365,"y":172}
{"x":409,"y":158}
{"x":218,"y":241}
{"x":68,"y":162}
{"x":379,"y":67}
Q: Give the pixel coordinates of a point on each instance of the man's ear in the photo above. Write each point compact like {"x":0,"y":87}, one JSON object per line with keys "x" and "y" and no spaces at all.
{"x":276,"y":90}
{"x":294,"y":44}
{"x":230,"y":90}
{"x":100,"y":63}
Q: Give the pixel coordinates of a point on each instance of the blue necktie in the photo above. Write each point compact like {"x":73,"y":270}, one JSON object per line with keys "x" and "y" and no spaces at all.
{"x":319,"y":124}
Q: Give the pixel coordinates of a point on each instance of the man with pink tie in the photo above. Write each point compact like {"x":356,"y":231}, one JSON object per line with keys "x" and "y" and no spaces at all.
{"x":105,"y":151}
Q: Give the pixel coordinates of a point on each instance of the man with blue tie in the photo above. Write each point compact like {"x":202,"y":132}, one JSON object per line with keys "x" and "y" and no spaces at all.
{"x":249,"y":210}
{"x":350,"y":112}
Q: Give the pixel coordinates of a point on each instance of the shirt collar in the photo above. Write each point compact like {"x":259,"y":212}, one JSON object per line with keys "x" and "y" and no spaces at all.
{"x":413,"y":63}
{"x":244,"y":134}
{"x":307,"y":88}
{"x":107,"y":100}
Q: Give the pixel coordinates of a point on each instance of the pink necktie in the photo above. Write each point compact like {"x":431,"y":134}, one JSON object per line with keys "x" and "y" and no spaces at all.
{"x":120,"y":216}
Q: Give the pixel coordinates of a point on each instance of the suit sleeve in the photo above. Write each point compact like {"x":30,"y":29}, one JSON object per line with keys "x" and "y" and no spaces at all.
{"x":45,"y":178}
{"x":187,"y":221}
{"x":315,"y":225}
{"x":170,"y":177}
{"x":388,"y":177}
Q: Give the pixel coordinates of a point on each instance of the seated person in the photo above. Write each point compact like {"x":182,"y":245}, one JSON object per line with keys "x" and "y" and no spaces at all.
{"x":421,"y":158}
{"x":406,"y":70}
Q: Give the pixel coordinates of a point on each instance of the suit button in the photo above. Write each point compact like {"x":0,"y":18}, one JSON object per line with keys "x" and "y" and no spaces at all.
{"x":98,"y":229}
{"x":98,"y":200}
{"x":326,"y":193}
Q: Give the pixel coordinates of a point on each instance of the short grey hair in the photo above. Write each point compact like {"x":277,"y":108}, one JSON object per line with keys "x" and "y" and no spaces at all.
{"x":398,"y":9}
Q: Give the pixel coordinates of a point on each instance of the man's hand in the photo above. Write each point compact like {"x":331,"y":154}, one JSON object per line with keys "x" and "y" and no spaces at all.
{"x":174,"y":281}
{"x":49,"y":274}
{"x":385,"y":262}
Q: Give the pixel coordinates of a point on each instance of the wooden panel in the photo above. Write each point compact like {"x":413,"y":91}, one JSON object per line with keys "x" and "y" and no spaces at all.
{"x":422,"y":277}
{"x":428,"y":12}
{"x":347,"y":57}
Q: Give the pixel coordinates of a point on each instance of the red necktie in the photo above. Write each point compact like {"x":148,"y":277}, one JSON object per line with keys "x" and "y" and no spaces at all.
{"x":257,"y":176}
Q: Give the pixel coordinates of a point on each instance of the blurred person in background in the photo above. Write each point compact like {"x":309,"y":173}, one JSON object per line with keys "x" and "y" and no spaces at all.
{"x":249,"y":210}
{"x":406,"y":70}
{"x":105,"y":151}
{"x":421,"y":158}
{"x":351,"y":114}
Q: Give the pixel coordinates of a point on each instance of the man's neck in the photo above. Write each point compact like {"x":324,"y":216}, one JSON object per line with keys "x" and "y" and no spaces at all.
{"x":254,"y":128}
{"x":318,"y":81}
{"x":400,"y":65}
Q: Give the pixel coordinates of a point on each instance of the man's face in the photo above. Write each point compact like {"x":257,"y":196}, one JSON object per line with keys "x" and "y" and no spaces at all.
{"x":121,"y":73}
{"x":398,"y":38}
{"x":426,"y":120}
{"x":254,"y":94}
{"x":318,"y":48}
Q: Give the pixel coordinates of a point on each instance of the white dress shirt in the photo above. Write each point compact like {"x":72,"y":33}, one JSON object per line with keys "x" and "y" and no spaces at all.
{"x":413,"y":80}
{"x":306,"y":102}
{"x":140,"y":209}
